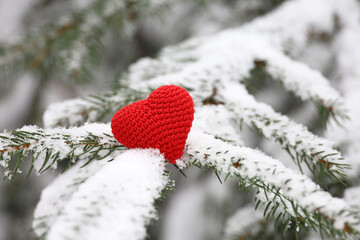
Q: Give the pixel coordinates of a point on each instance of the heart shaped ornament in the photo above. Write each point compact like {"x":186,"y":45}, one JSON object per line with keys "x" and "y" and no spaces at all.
{"x":162,"y":121}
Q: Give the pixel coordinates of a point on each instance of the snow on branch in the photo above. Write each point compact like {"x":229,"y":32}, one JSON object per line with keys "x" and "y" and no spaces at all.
{"x":279,"y":188}
{"x":90,"y":109}
{"x":303,"y":146}
{"x":231,"y":54}
{"x":304,"y":82}
{"x":219,"y":122}
{"x":55,"y":196}
{"x":208,"y":59}
{"x":264,"y":39}
{"x":347,"y":55}
{"x":352,"y":196}
{"x":240,"y":225}
{"x":81,"y":54}
{"x":47,"y":148}
{"x":116,"y":201}
{"x":204,"y":75}
{"x":201,"y":64}
{"x":200,"y":79}
{"x":73,"y":41}
{"x":291,"y":32}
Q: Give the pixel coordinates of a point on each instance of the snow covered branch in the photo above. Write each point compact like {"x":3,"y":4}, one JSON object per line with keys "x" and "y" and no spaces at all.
{"x":112,"y":192}
{"x":202,"y":60}
{"x":78,"y":205}
{"x":110,"y":200}
{"x":304,"y":147}
{"x":73,"y":42}
{"x":90,"y":109}
{"x":279,"y":188}
{"x":199,"y":64}
{"x":266,"y":38}
{"x":55,"y":197}
{"x":348,"y":57}
{"x":219,"y":122}
{"x":47,"y":148}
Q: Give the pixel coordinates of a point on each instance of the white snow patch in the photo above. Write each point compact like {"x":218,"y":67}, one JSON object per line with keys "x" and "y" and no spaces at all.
{"x":249,"y":163}
{"x":352,"y":196}
{"x":57,"y":195}
{"x":245,"y":221}
{"x":62,"y":142}
{"x":69,"y":108}
{"x":117,"y":202}
{"x":274,"y":125}
{"x":217,"y":121}
{"x":347,"y":51}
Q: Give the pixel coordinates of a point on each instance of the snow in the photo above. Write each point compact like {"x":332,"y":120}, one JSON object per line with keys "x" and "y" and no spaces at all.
{"x":303,"y":81}
{"x":63,"y":142}
{"x":117,"y":202}
{"x":245,"y":221}
{"x":197,"y":64}
{"x":66,"y":108}
{"x":217,"y":121}
{"x":204,"y":63}
{"x":221,"y":61}
{"x":348,"y":58}
{"x":352,"y":196}
{"x":76,"y":136}
{"x":212,"y":58}
{"x":289,"y":31}
{"x":57,"y":194}
{"x":112,"y":7}
{"x":76,"y":111}
{"x":314,"y":236}
{"x":274,"y":126}
{"x":75,"y":58}
{"x":249,"y":164}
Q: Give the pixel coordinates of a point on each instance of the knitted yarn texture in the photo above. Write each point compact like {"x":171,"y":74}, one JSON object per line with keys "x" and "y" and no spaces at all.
{"x":162,"y":121}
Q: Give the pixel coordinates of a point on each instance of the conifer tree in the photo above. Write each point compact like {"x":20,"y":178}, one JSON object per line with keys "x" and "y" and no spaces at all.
{"x":293,"y":181}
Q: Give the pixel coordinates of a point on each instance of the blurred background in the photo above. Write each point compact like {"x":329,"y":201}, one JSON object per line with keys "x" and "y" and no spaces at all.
{"x":200,"y":207}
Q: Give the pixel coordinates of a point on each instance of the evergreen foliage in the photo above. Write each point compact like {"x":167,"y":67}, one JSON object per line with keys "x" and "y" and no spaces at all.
{"x":220,"y":71}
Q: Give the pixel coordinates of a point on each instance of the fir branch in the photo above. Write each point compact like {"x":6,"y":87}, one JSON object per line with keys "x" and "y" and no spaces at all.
{"x":197,"y":63}
{"x":72,"y":45}
{"x":347,"y":58}
{"x":241,"y":226}
{"x":279,"y":188}
{"x":290,"y":33}
{"x":55,"y":196}
{"x":89,"y":109}
{"x":121,"y":209}
{"x":48,"y":147}
{"x":266,"y":40}
{"x":317,"y":153}
{"x":200,"y":63}
{"x":219,"y":122}
{"x":304,"y":147}
{"x":303,"y":82}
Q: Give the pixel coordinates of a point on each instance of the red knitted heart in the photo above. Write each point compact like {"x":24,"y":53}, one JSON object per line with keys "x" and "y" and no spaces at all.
{"x":162,"y":121}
